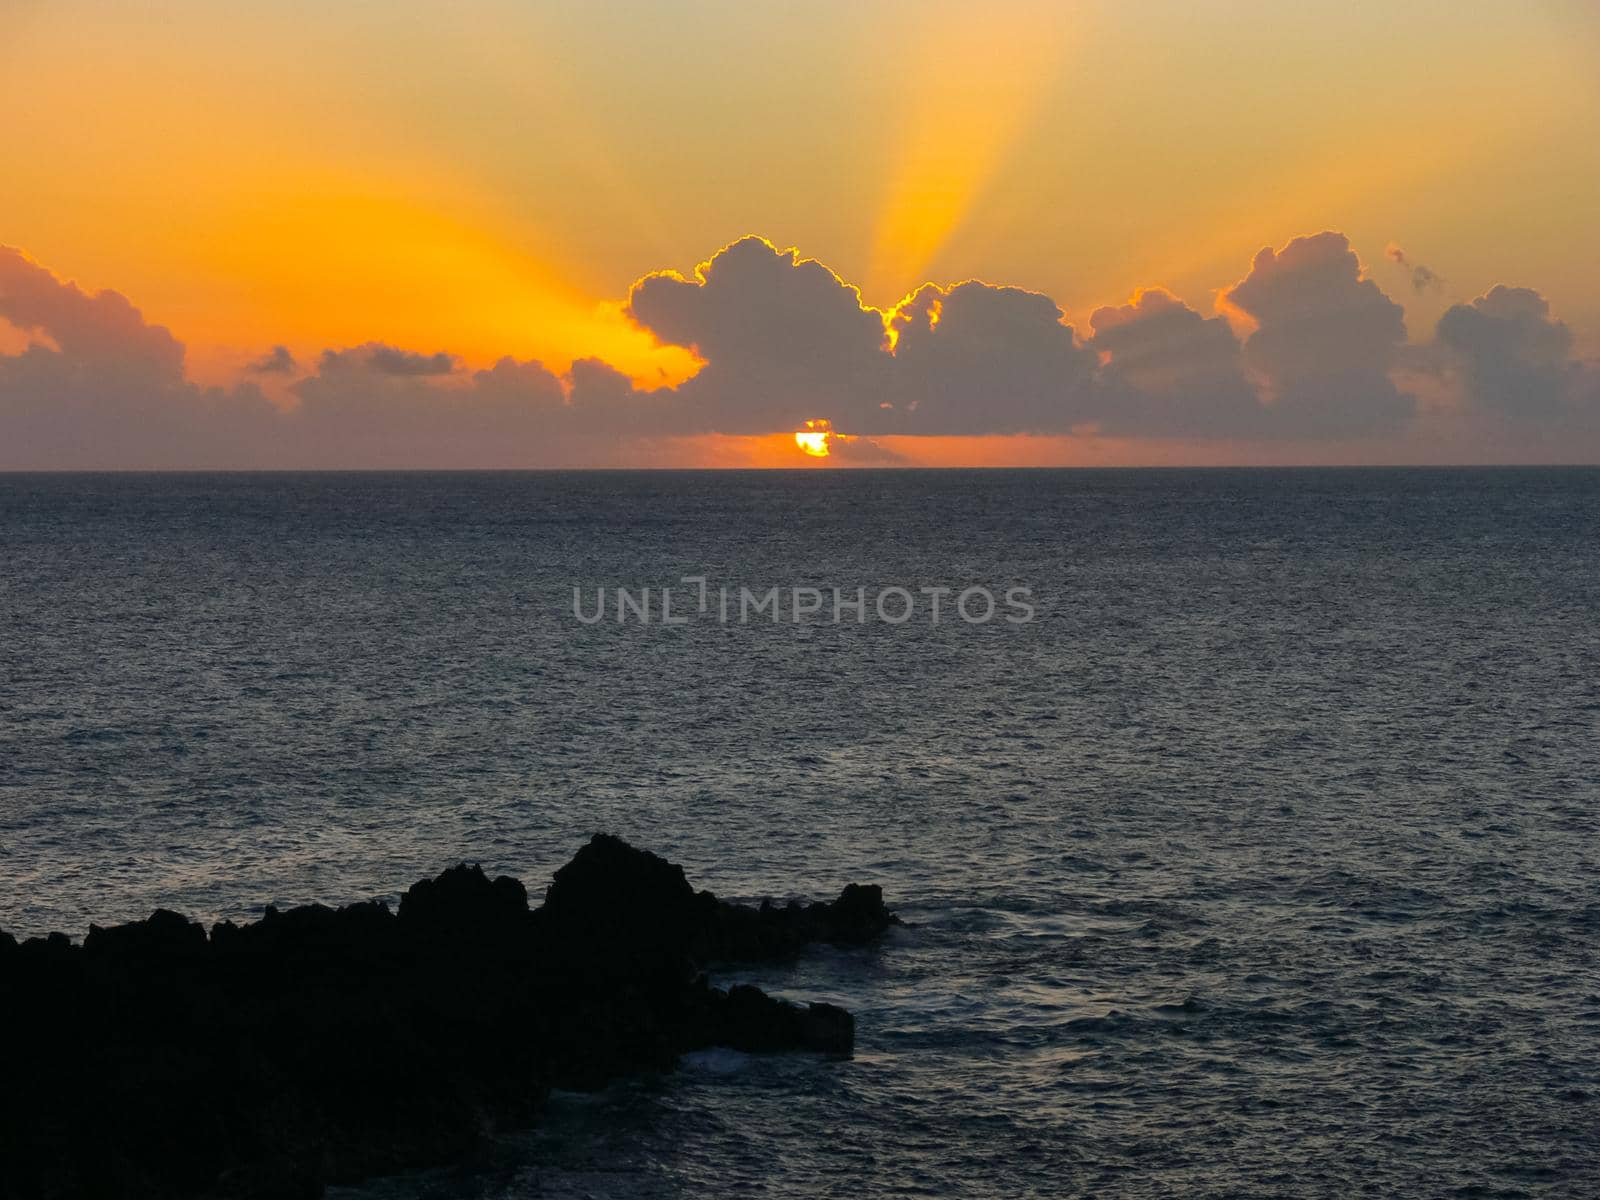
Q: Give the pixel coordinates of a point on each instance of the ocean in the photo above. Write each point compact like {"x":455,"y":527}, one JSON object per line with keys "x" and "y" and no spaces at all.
{"x":1261,"y":862}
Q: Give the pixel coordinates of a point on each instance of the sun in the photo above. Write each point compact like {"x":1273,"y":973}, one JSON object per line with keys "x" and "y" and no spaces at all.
{"x":814,"y":438}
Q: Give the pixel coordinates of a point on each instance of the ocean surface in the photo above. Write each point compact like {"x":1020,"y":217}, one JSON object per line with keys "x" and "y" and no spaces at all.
{"x":1263,"y":862}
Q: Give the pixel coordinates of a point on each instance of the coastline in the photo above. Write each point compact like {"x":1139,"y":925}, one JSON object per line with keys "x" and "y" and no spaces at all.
{"x":320,"y":1046}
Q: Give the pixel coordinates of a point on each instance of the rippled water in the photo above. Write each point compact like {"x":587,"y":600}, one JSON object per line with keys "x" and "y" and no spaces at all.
{"x":1262,"y":864}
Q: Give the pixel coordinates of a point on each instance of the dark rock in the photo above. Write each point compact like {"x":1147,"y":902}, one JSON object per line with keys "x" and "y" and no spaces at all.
{"x":630,"y":900}
{"x":752,"y":1021}
{"x":276,"y":1179}
{"x":737,"y":933}
{"x":323,"y":1045}
{"x":858,"y":915}
{"x":157,"y":941}
{"x":462,"y":902}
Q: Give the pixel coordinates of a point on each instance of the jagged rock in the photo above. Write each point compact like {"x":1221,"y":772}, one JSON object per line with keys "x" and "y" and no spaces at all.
{"x":754,"y":1022}
{"x":158,"y":940}
{"x":463,"y":903}
{"x":739,"y":933}
{"x":633,"y":907}
{"x":323,"y":1045}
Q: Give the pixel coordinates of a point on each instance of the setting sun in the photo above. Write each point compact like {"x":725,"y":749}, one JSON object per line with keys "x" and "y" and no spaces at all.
{"x":813,"y":439}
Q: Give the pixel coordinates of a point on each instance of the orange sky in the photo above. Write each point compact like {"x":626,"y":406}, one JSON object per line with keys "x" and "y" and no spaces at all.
{"x":488,"y":180}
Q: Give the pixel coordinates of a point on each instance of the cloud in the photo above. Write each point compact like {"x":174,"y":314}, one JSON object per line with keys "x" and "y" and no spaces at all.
{"x":277,"y":361}
{"x":102,"y":332}
{"x":527,"y":382}
{"x":1422,"y":278}
{"x":846,"y":448}
{"x":1173,"y":370}
{"x":99,"y":387}
{"x":1512,"y":357}
{"x":603,"y":400}
{"x":784,"y":341}
{"x":379,"y":406}
{"x":1325,"y":341}
{"x":109,"y":391}
{"x":980,"y":359}
{"x":357,"y":410}
{"x":381,"y":359}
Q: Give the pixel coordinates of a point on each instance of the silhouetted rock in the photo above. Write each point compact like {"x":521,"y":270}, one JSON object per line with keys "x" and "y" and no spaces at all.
{"x":752,"y":1021}
{"x":639,"y":907}
{"x":737,"y":933}
{"x":162,"y":939}
{"x":463,"y":903}
{"x":322,"y":1045}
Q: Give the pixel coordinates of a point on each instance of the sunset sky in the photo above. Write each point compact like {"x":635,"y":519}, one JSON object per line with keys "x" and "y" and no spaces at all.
{"x":346,"y":214}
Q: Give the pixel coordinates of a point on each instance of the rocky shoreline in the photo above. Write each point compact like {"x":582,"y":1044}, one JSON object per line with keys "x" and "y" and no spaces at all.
{"x":321,"y":1046}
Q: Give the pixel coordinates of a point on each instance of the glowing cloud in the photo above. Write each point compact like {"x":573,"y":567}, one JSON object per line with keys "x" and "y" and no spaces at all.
{"x":977,"y":373}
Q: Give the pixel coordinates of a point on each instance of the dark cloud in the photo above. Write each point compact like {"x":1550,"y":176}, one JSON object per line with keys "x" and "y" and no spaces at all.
{"x":527,"y":382}
{"x":604,"y":400}
{"x":57,"y":413}
{"x":378,"y":406}
{"x":1173,"y":370}
{"x":382,"y":359}
{"x":277,"y":361}
{"x":1512,"y":356}
{"x":862,"y":450}
{"x":1325,"y":342}
{"x":784,"y":341}
{"x":102,"y":332}
{"x":102,"y":388}
{"x":1422,"y":278}
{"x":976,"y":359}
{"x":513,"y":414}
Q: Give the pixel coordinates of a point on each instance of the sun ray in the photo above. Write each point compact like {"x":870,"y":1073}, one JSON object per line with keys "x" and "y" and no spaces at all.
{"x":967,"y":88}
